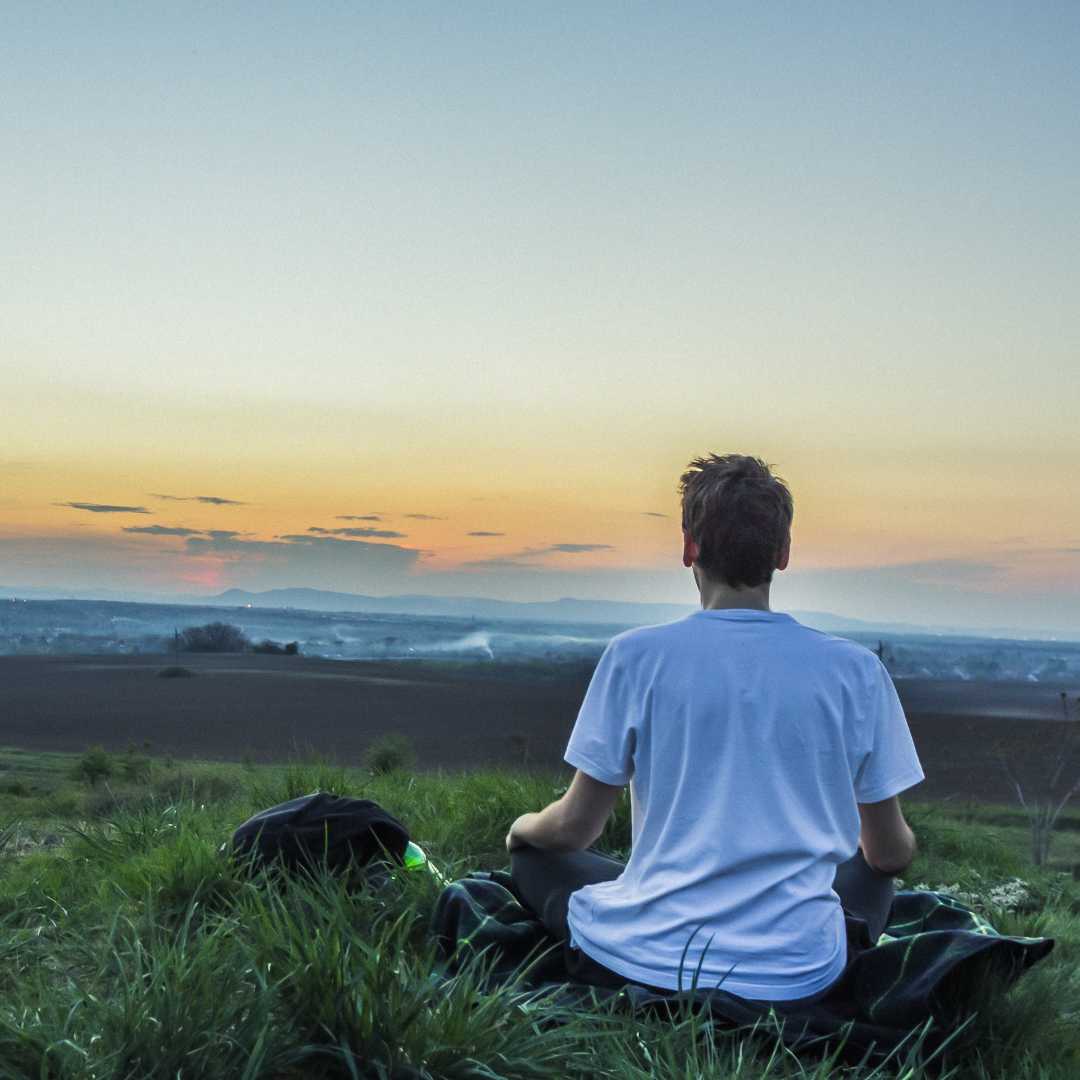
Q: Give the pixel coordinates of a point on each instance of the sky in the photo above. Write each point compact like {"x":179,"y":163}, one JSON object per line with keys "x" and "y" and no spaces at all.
{"x":442,"y":299}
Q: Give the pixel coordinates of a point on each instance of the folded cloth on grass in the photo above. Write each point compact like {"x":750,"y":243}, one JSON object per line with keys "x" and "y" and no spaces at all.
{"x":928,"y":966}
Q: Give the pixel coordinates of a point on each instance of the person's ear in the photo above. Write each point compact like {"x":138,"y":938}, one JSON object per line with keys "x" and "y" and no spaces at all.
{"x":785,"y":554}
{"x":690,"y":550}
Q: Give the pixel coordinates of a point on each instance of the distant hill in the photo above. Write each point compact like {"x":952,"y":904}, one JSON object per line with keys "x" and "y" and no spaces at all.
{"x":565,"y":610}
{"x":609,"y":612}
{"x":614,"y":612}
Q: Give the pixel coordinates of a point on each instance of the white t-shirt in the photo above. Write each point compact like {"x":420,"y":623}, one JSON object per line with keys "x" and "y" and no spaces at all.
{"x":747,"y":739}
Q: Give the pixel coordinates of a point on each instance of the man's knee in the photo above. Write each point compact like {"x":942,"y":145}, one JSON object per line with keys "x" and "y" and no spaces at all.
{"x":523,"y":856}
{"x":526,"y":863}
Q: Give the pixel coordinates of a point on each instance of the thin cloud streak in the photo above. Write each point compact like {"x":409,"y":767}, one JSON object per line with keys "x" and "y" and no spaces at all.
{"x":482,"y":532}
{"x":516,"y":558}
{"x":387,"y":534}
{"x":305,"y":538}
{"x":162,"y":530}
{"x":210,"y":500}
{"x":177,"y":530}
{"x":358,"y":517}
{"x":105,"y":508}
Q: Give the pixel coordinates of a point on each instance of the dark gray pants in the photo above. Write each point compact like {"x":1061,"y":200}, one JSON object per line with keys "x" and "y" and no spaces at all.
{"x":545,"y":880}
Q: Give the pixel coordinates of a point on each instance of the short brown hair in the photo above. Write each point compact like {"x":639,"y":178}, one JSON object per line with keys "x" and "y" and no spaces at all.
{"x":738,"y":514}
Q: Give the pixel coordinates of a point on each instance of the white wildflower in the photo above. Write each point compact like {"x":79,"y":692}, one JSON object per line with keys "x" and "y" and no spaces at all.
{"x":1008,"y":896}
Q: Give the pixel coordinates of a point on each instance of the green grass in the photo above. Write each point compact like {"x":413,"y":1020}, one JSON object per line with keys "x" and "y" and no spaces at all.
{"x":130,"y":948}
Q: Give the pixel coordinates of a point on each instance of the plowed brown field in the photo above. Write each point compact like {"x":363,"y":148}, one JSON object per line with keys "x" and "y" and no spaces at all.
{"x":268,"y":708}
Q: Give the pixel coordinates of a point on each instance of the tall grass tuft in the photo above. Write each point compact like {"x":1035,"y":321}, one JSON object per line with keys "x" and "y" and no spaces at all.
{"x":189,"y":993}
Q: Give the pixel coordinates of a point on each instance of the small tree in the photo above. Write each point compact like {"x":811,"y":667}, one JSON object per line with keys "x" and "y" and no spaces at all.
{"x":274,"y":649}
{"x":134,"y":766}
{"x":1047,"y":798}
{"x":215,"y":637}
{"x":389,"y":753}
{"x":93,"y":766}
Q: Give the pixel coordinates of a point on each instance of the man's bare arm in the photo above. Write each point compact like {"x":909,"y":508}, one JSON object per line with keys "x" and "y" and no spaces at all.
{"x":886,"y":839}
{"x":571,"y":823}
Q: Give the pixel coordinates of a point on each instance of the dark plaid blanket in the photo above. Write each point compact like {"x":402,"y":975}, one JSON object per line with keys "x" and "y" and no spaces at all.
{"x":922,"y":976}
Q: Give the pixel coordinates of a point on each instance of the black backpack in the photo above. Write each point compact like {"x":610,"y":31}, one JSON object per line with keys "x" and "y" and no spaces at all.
{"x":321,"y":829}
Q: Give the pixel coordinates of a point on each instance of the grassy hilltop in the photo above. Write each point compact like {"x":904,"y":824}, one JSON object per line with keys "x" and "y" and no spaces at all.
{"x":131,"y":949}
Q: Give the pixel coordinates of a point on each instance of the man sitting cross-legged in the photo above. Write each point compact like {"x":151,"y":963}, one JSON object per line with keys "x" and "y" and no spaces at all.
{"x":764,"y":759}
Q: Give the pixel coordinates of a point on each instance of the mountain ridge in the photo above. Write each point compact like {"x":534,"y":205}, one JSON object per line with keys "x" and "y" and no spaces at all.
{"x":566,"y":609}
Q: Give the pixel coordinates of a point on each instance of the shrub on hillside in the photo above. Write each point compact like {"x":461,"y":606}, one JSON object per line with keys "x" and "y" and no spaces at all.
{"x":93,"y":766}
{"x":174,"y":671}
{"x":274,"y":649}
{"x":135,"y":766}
{"x":389,"y":753}
{"x":215,"y":637}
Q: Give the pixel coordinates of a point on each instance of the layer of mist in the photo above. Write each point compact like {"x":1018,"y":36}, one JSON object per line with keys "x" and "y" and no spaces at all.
{"x":76,"y":627}
{"x":80,"y":627}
